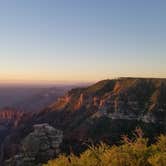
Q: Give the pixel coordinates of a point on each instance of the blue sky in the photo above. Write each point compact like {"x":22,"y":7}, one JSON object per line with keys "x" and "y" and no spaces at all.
{"x":81,"y":40}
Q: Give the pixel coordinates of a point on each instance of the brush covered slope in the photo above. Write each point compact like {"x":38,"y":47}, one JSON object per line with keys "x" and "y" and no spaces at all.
{"x":131,"y":152}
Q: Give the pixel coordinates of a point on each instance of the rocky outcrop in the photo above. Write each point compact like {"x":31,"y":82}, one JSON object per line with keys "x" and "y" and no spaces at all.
{"x":9,"y":120}
{"x":38,"y":147}
{"x":125,"y":98}
{"x":10,"y":115}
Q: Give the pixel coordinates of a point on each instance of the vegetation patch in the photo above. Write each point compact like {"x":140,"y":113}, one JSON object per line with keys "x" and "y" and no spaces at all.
{"x":132,"y":152}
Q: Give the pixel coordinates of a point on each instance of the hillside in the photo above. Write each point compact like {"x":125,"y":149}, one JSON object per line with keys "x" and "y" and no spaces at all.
{"x":9,"y":119}
{"x":131,"y":152}
{"x":121,"y":95}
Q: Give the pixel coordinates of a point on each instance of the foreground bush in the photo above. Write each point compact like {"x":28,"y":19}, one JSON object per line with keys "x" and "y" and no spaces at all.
{"x":131,"y":153}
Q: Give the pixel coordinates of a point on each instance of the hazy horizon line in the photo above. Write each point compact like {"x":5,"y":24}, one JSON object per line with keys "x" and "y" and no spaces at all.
{"x":65,"y":82}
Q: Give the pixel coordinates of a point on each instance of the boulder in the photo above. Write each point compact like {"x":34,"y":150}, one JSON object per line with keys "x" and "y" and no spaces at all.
{"x":38,"y":147}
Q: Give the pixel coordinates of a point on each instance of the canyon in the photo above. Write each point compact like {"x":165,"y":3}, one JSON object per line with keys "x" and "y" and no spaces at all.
{"x":87,"y":115}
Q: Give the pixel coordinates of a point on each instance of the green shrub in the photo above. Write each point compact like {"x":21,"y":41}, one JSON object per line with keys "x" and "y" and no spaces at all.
{"x":131,"y":153}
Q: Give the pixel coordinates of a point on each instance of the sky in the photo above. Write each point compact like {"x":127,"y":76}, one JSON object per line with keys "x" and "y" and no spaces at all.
{"x":81,"y":40}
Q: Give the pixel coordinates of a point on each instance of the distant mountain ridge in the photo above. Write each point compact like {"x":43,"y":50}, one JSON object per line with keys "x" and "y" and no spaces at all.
{"x":30,"y":98}
{"x":40,"y":100}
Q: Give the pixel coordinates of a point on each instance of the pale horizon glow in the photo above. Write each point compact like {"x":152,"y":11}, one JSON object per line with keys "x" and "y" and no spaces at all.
{"x":81,"y":41}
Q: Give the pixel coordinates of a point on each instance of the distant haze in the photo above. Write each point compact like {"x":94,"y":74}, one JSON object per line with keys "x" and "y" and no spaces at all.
{"x":31,"y":95}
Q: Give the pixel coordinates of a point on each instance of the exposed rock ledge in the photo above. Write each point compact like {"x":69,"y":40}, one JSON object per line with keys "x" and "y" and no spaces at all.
{"x":39,"y":146}
{"x":147,"y":118}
